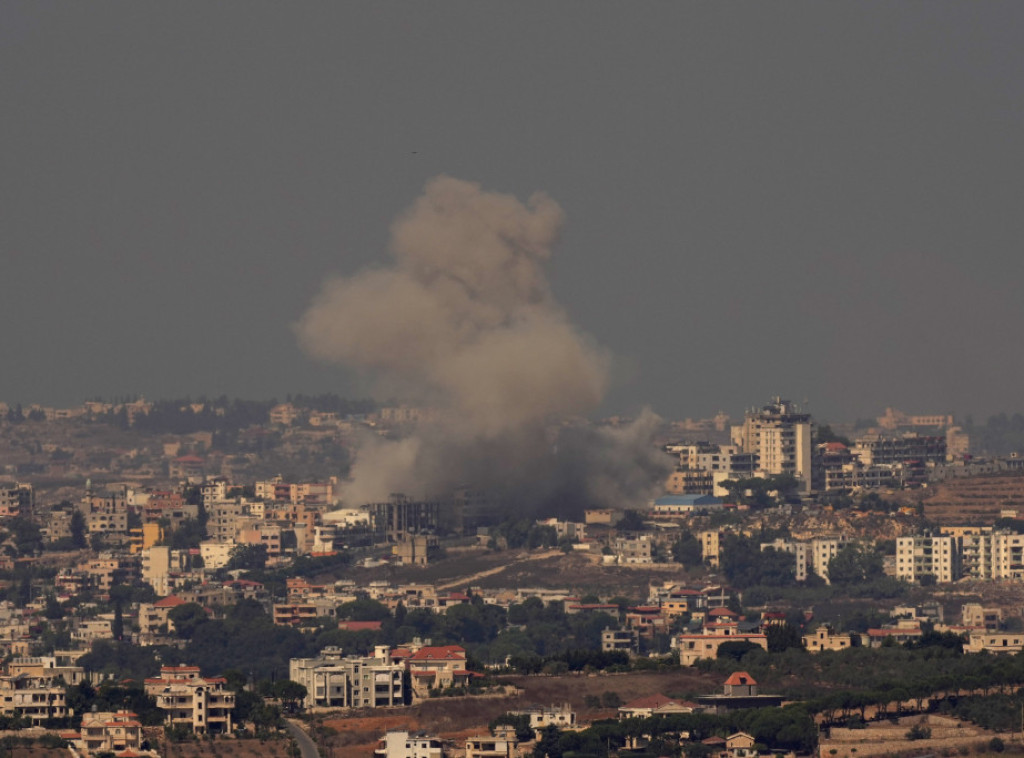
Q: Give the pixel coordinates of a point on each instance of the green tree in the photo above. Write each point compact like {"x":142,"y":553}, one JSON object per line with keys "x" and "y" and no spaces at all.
{"x":187,"y":618}
{"x":855,"y":564}
{"x":248,"y":557}
{"x":687,"y":550}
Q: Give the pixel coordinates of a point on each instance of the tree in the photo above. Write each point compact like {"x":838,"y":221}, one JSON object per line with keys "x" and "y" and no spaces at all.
{"x":855,"y":564}
{"x":745,"y":564}
{"x":363,"y":609}
{"x":687,"y":550}
{"x":187,"y":618}
{"x":248,"y":557}
{"x":290,"y":693}
{"x":782,"y":636}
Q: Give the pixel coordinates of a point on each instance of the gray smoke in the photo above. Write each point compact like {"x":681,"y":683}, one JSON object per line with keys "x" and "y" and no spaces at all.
{"x":464,"y":321}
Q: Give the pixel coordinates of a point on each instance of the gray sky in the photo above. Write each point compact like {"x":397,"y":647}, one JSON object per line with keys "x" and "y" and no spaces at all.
{"x":815,"y":199}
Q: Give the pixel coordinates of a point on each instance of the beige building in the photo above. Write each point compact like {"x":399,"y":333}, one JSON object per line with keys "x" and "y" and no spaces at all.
{"x":710,"y":544}
{"x":823,"y":638}
{"x":693,"y":647}
{"x":994,"y":642}
{"x":780,"y":435}
{"x":188,"y":699}
{"x":106,"y":732}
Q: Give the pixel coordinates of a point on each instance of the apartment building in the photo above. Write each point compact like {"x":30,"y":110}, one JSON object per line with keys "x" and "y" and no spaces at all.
{"x":780,"y":435}
{"x":812,"y":557}
{"x":34,"y":698}
{"x":633,"y":550}
{"x":925,"y":555}
{"x":991,"y":555}
{"x":16,"y":498}
{"x":887,"y":449}
{"x":189,"y":699}
{"x":333,"y":680}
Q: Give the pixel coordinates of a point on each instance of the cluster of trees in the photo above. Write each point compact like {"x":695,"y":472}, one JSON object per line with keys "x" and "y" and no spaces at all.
{"x":745,"y":564}
{"x":519,"y":533}
{"x":839,"y":684}
{"x":783,"y":729}
{"x":763,"y":492}
{"x":531,"y":634}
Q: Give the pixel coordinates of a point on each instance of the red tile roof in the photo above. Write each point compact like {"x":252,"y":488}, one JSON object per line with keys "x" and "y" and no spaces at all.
{"x":445,"y":653}
{"x":171,"y":601}
{"x":739,"y":678}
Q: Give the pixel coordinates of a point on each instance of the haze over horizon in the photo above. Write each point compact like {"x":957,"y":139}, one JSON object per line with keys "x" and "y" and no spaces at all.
{"x":805,"y":199}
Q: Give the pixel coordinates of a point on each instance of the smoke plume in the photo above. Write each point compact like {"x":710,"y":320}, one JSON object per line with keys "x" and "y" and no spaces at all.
{"x":464,"y":321}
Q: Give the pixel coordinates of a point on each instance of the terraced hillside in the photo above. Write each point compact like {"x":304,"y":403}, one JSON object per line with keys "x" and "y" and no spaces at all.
{"x":973,"y":500}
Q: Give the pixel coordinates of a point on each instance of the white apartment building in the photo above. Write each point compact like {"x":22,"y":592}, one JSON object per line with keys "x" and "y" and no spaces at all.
{"x":920,"y":556}
{"x":780,"y":435}
{"x":992,"y":555}
{"x":811,"y":557}
{"x":333,"y":680}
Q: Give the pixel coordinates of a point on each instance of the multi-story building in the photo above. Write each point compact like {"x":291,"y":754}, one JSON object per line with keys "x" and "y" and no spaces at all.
{"x":812,"y":557}
{"x":437,"y":668}
{"x":710,"y":546}
{"x":191,"y":700}
{"x":926,"y":555}
{"x":693,"y":647}
{"x":780,"y":435}
{"x":967,"y":553}
{"x":620,"y":640}
{"x":105,"y":732}
{"x":34,"y":698}
{"x":639,"y":549}
{"x":333,"y":680}
{"x":401,"y":515}
{"x":878,"y":449}
{"x":16,"y":499}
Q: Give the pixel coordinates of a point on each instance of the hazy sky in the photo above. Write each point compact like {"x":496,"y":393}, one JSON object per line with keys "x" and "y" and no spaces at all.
{"x":819,"y":199}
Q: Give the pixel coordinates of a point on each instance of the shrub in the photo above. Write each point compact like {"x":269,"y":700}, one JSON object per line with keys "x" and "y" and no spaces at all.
{"x":918,"y":732}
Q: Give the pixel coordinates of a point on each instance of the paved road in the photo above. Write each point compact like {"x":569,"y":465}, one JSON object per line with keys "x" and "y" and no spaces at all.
{"x":306,"y":745}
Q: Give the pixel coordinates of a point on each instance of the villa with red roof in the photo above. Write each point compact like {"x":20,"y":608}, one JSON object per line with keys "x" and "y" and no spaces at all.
{"x":106,"y":732}
{"x":436,"y":668}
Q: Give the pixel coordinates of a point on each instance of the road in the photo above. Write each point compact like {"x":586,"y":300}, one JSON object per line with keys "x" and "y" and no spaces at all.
{"x":306,"y":745}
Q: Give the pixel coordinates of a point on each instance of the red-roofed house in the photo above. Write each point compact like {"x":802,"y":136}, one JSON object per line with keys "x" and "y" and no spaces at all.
{"x":153,"y":617}
{"x":740,"y":684}
{"x":109,"y":732}
{"x":436,"y":668}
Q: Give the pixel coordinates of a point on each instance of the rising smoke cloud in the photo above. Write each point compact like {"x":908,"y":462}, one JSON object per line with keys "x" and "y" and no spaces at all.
{"x":464,"y":321}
